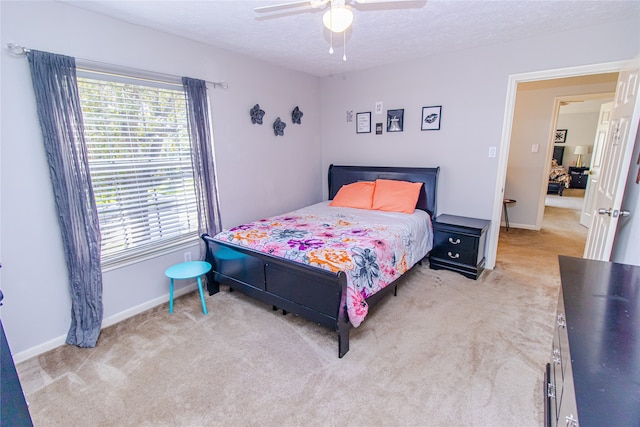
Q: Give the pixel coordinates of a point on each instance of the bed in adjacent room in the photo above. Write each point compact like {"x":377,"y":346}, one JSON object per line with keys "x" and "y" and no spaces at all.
{"x":558,"y":178}
{"x":330,"y":261}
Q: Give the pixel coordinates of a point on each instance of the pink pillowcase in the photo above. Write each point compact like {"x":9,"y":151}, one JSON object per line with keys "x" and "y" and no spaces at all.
{"x":357,"y":195}
{"x":396,"y":196}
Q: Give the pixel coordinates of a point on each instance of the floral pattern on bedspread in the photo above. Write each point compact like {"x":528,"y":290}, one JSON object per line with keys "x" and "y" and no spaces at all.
{"x":373,"y":248}
{"x":559,"y":174}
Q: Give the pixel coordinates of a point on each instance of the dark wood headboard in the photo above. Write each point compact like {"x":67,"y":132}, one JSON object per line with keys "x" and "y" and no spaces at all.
{"x":342,"y":175}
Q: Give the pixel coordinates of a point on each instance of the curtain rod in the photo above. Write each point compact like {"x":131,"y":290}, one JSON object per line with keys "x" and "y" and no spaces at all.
{"x":21,"y":50}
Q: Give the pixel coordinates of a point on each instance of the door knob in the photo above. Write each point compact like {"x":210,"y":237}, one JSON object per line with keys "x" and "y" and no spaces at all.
{"x":614,"y":212}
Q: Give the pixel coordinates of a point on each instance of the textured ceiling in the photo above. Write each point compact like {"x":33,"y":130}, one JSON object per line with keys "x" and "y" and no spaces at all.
{"x":381,"y":33}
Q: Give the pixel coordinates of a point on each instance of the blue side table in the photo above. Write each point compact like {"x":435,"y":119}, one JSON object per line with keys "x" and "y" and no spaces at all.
{"x":188,"y":270}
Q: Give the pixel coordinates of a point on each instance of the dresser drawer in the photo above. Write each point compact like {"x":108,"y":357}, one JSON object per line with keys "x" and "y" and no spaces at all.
{"x":455,"y":242}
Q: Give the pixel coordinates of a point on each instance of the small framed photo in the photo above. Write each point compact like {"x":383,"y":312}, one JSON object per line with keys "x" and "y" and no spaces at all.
{"x":431,"y":117}
{"x":379,"y":128}
{"x":395,"y":120}
{"x":561,"y":136}
{"x":363,"y":122}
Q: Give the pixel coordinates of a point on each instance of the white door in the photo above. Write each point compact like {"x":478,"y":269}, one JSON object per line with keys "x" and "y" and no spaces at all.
{"x":615,"y":166}
{"x":596,"y":162}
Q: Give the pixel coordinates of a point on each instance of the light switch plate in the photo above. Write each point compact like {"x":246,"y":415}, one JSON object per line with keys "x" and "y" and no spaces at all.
{"x":534,"y":148}
{"x":492,"y":151}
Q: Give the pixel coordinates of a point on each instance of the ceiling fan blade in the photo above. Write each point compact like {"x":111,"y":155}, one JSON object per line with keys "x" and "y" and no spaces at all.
{"x":276,"y":7}
{"x":281,"y":6}
{"x":382,"y":1}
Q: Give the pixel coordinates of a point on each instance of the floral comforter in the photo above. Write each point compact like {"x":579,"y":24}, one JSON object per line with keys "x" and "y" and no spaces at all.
{"x":372,"y":247}
{"x":559,"y":174}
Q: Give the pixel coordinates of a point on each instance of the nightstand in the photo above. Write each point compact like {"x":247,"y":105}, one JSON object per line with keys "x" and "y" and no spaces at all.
{"x":458,"y":244}
{"x":579,"y":176}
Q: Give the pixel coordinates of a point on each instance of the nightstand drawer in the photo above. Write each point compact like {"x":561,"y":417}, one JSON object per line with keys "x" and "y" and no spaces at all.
{"x":455,"y":255}
{"x":454,"y":241}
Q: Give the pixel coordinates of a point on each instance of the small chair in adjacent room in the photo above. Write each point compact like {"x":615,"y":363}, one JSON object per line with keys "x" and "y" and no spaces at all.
{"x":188,"y":270}
{"x":506,"y":202}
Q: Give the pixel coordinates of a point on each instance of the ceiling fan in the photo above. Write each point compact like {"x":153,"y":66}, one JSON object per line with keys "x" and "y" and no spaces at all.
{"x":337,"y":19}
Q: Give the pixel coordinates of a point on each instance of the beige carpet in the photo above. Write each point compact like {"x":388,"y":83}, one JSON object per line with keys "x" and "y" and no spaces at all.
{"x":445,"y":351}
{"x":572,"y":198}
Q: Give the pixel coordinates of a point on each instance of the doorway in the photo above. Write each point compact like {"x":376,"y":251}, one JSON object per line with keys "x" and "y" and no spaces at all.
{"x":537,"y":125}
{"x":581,"y":128}
{"x":534,"y":168}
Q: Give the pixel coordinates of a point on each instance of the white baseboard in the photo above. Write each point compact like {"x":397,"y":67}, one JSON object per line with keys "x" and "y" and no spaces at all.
{"x":522,"y":226}
{"x":119,"y":317}
{"x":109,"y":321}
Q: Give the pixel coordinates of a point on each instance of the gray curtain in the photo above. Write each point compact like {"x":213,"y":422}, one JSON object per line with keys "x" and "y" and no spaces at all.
{"x":202,"y":156}
{"x":56,"y":89}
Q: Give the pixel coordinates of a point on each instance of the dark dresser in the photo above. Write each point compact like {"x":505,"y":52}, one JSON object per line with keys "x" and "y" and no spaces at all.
{"x":593,"y":378}
{"x":458,"y":244}
{"x":14,"y":411}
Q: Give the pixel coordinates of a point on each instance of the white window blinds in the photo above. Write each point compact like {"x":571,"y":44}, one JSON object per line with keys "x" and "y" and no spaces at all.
{"x":140,"y":162}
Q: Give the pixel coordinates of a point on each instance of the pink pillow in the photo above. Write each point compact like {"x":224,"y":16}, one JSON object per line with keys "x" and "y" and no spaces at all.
{"x":396,"y":196}
{"x":357,"y":195}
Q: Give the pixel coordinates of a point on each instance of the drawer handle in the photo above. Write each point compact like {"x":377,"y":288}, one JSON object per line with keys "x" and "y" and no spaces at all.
{"x":456,"y":256}
{"x":454,"y":242}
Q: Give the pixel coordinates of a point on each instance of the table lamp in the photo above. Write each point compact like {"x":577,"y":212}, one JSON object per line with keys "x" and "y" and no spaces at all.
{"x":580,"y":150}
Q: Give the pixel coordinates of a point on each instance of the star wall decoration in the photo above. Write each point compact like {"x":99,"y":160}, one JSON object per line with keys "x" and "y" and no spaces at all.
{"x":296,"y":115}
{"x":256,"y":114}
{"x":278,"y":127}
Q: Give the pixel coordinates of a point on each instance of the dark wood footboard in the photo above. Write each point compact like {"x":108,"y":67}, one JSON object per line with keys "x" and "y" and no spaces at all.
{"x":315,"y":294}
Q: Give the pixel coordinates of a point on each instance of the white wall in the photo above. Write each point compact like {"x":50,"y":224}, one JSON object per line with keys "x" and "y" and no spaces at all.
{"x":259,"y":174}
{"x":533,"y":123}
{"x":581,"y":130}
{"x":471,"y":87}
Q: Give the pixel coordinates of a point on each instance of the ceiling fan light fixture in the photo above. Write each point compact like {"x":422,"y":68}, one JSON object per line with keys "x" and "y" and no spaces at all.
{"x":337,"y":19}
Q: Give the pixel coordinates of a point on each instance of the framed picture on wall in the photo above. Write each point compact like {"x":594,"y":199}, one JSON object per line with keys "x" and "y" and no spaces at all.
{"x":561,"y":136}
{"x":431,"y":117}
{"x":363,"y":122}
{"x":395,"y":120}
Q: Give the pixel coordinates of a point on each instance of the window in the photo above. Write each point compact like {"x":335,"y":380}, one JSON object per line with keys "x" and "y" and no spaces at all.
{"x":139,"y":152}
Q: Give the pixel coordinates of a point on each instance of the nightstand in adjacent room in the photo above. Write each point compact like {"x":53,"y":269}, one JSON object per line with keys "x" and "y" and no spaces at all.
{"x":579,"y":177}
{"x":458,"y":244}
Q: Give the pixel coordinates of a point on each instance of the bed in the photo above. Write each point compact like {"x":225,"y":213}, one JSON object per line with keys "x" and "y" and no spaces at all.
{"x":317,"y":291}
{"x":558,"y":179}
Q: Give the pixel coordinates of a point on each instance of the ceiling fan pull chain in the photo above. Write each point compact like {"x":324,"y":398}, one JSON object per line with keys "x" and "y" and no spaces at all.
{"x":331,"y":42}
{"x":344,"y":43}
{"x":331,"y":33}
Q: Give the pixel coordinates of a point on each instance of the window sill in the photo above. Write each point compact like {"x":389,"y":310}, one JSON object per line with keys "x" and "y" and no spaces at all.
{"x":150,"y":254}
